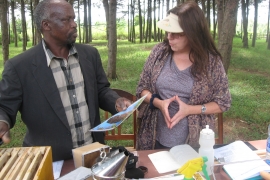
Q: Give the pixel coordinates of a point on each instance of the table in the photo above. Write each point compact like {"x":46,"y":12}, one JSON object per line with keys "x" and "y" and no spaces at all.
{"x":145,"y":161}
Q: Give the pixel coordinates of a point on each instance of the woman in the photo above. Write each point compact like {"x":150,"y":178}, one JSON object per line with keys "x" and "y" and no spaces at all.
{"x":185,"y":81}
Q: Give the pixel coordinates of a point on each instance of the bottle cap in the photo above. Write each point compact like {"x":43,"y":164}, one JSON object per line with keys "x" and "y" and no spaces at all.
{"x":207,"y":133}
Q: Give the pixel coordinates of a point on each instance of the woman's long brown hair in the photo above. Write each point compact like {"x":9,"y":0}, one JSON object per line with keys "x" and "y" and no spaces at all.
{"x":194,"y":24}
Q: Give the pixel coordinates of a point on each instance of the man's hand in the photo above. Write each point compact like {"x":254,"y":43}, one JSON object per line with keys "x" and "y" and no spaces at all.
{"x":4,"y":133}
{"x":122,"y":104}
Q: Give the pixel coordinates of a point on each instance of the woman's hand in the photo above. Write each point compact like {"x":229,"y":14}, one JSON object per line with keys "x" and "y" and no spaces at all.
{"x":182,"y":112}
{"x":163,"y":106}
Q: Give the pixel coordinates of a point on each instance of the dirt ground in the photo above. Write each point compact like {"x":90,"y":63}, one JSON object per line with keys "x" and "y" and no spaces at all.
{"x":232,"y":129}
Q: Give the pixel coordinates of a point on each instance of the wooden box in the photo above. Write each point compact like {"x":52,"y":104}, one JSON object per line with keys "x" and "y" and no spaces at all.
{"x":27,"y":163}
{"x":86,"y":155}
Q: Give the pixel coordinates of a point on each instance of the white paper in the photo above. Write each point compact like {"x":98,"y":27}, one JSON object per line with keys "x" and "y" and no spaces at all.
{"x":57,"y":167}
{"x":245,"y":170}
{"x":163,"y":161}
{"x":235,"y":151}
{"x":81,"y":173}
{"x":240,"y":161}
{"x":166,"y":161}
{"x":179,"y":177}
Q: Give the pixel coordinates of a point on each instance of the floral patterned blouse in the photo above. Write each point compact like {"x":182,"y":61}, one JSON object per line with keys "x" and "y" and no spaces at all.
{"x":213,"y":88}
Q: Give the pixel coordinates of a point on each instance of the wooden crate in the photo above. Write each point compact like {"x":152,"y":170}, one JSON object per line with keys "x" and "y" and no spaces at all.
{"x":26,"y":163}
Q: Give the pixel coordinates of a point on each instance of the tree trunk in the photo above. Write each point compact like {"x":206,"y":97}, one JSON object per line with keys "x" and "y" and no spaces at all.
{"x":255,"y":23}
{"x":24,"y":29}
{"x":132,"y":36}
{"x":150,"y":22}
{"x":133,"y":23}
{"x":168,"y":5}
{"x":227,"y":29}
{"x":155,"y":19}
{"x":90,"y":20}
{"x":147,"y":22}
{"x":159,"y":31}
{"x":9,"y":30}
{"x":140,"y":21}
{"x":71,"y":2}
{"x":162,"y":15}
{"x":220,"y":14}
{"x":85,"y":22}
{"x":268,"y":43}
{"x":203,"y":6}
{"x":128,"y":21}
{"x":208,"y":14}
{"x":245,"y":24}
{"x":214,"y":20}
{"x":112,"y":43}
{"x":13,"y":19}
{"x":38,"y":36}
{"x":144,"y":13}
{"x":267,"y":35}
{"x":79,"y":23}
{"x":106,"y":8}
{"x":32,"y":23}
{"x":4,"y":29}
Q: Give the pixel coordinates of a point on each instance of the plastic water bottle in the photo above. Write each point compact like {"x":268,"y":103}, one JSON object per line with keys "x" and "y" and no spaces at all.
{"x":207,"y":141}
{"x":268,"y":144}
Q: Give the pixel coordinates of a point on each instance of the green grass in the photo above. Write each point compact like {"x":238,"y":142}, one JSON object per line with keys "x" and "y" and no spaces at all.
{"x":249,"y":80}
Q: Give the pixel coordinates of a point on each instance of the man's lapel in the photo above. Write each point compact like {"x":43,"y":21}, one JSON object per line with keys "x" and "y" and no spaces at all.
{"x":45,"y":79}
{"x":88,"y":75}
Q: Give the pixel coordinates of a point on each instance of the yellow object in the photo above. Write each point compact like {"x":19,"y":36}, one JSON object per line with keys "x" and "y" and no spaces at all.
{"x":193,"y":166}
{"x":26,"y":163}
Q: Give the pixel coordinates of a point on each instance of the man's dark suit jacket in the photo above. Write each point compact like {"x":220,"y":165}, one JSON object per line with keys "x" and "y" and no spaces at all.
{"x":28,"y":86}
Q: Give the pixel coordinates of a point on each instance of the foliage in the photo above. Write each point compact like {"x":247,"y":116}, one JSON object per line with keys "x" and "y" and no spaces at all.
{"x":249,"y":80}
{"x":250,"y":88}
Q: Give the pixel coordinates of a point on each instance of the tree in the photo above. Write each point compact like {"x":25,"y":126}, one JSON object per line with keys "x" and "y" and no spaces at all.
{"x":90,"y":20}
{"x":106,"y":8}
{"x":112,"y":43}
{"x":267,"y":32}
{"x":85,"y":23}
{"x":131,"y":16}
{"x":79,"y":22}
{"x":4,"y":29}
{"x":268,"y":44}
{"x":255,"y":23}
{"x":37,"y":34}
{"x":140,"y":21}
{"x":227,"y":18}
{"x":13,"y":19}
{"x":245,"y":4}
{"x":24,"y":29}
{"x":148,"y":31}
{"x":155,"y":24}
{"x":71,"y":2}
{"x":208,"y":13}
{"x":214,"y":19}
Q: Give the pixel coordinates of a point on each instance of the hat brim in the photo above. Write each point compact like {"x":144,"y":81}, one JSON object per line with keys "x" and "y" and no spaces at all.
{"x":170,"y":24}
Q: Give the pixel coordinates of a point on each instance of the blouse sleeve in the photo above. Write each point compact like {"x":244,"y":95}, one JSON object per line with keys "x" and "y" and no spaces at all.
{"x":145,"y":81}
{"x":221,"y":93}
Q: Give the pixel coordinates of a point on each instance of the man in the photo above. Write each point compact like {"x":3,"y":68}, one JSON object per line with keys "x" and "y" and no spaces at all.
{"x":57,"y":86}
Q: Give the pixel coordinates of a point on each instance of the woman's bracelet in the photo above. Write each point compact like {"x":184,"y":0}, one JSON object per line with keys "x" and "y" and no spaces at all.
{"x":151,"y":105}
